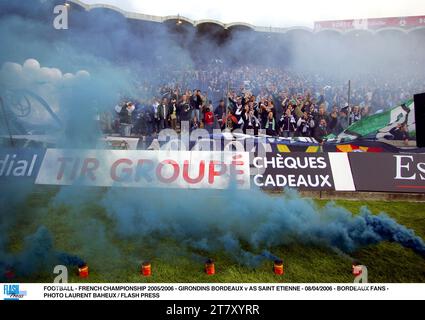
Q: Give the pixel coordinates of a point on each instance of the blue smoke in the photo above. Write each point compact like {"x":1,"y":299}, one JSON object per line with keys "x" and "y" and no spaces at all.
{"x":248,"y":224}
{"x":38,"y":254}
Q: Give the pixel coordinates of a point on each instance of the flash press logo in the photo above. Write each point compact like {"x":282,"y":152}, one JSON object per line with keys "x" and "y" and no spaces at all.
{"x":61,"y":19}
{"x":13,"y":292}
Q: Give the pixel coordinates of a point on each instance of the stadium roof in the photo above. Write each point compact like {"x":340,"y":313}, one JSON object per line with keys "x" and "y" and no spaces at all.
{"x":323,"y":26}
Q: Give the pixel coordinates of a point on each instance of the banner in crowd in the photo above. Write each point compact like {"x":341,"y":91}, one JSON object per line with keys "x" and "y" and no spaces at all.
{"x":381,"y":123}
{"x":371,"y":24}
{"x":332,"y":171}
{"x":154,"y":169}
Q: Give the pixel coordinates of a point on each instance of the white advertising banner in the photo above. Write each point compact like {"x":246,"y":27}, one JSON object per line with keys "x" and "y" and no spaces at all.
{"x":341,"y":171}
{"x":153,"y":169}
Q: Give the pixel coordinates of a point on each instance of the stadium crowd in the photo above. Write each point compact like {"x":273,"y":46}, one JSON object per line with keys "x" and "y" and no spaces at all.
{"x":280,"y":102}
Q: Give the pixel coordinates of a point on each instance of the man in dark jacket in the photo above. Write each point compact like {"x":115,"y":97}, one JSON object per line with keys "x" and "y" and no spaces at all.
{"x":342,"y":122}
{"x":173,"y":113}
{"x":220,"y":113}
{"x":305,"y":125}
{"x":321,"y":131}
{"x":163,"y":113}
{"x":400,"y":133}
{"x":196,"y":104}
{"x":185,"y":110}
{"x":321,"y":114}
{"x":125,"y":118}
{"x":288,"y":124}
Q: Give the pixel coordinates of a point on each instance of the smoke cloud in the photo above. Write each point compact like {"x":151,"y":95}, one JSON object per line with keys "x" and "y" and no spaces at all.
{"x":233,"y":221}
{"x":245,"y":225}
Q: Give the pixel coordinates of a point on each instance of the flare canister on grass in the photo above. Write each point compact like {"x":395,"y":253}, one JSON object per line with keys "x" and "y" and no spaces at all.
{"x":278,"y":267}
{"x":83,"y":270}
{"x":146,"y":269}
{"x":209,"y":267}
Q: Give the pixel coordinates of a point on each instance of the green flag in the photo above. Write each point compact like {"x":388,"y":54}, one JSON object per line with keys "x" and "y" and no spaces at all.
{"x":381,"y":123}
